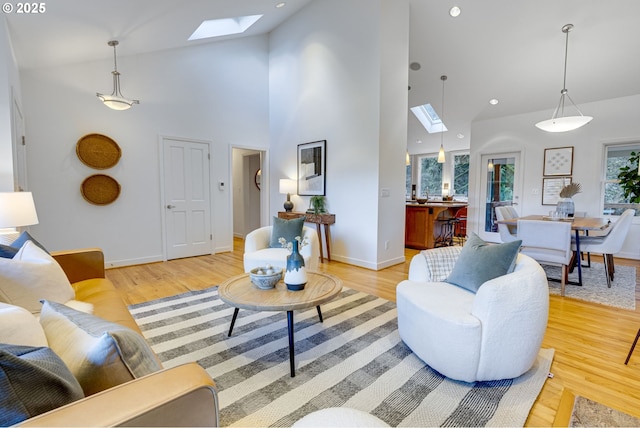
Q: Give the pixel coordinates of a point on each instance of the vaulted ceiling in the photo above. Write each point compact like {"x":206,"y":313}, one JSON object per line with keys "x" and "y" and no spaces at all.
{"x":512,"y":50}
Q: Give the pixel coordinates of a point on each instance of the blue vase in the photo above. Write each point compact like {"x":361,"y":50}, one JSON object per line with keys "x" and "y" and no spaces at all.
{"x":295,"y":276}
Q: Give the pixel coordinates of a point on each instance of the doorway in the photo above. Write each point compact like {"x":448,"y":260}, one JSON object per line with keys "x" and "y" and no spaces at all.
{"x":249,"y":189}
{"x":187,"y":198}
{"x":501,"y":184}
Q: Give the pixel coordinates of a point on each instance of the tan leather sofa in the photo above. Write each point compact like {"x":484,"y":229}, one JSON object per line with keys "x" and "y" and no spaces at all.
{"x":179,"y":396}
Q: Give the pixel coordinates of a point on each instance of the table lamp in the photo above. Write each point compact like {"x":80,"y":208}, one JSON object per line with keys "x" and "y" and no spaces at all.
{"x":17,"y":209}
{"x":288,"y":187}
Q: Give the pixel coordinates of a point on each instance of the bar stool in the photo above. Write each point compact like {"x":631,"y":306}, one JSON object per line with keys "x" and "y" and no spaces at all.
{"x":445,"y":223}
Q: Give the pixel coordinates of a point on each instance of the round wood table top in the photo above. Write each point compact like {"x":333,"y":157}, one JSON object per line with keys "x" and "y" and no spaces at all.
{"x":240,"y":292}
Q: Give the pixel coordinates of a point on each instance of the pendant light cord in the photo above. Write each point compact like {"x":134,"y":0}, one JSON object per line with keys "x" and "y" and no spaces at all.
{"x":566,"y":30}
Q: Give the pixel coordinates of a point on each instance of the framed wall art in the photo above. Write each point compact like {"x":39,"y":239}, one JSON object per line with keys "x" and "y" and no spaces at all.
{"x":558,"y":161}
{"x":551,"y":189}
{"x":312,"y":166}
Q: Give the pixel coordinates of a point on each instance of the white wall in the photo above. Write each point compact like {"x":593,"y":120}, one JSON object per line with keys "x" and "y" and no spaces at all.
{"x":326,"y":84}
{"x":214,"y":92}
{"x":615,"y":120}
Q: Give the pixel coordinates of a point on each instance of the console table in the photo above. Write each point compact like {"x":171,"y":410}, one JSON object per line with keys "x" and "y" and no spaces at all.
{"x":318,"y":219}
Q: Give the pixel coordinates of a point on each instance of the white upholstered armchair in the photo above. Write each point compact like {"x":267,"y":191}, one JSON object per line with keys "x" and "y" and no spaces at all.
{"x":493,"y":334}
{"x":258,"y":253}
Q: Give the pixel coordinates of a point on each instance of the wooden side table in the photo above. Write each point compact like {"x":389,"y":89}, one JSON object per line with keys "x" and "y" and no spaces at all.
{"x":240,"y":293}
{"x":318,"y":219}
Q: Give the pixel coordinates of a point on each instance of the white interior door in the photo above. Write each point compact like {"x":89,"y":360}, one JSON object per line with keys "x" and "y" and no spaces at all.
{"x":187,"y":198}
{"x":500,"y":184}
{"x":19,"y":151}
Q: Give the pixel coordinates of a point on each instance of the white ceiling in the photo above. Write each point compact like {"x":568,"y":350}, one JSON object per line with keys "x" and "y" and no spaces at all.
{"x":512,"y":50}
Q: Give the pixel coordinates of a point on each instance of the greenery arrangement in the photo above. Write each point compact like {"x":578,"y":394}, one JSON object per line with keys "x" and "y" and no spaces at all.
{"x":630,"y":179}
{"x":317,"y":205}
{"x":570,"y":190}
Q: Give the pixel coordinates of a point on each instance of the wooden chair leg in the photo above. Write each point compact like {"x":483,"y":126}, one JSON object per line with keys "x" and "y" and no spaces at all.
{"x":632,"y":347}
{"x":563,"y":279}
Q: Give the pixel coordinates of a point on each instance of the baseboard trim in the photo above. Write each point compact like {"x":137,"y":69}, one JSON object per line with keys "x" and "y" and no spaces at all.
{"x":368,"y":265}
{"x":109,"y":264}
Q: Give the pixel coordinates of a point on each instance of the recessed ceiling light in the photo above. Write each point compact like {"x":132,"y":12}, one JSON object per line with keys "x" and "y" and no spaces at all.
{"x":455,"y":11}
{"x":224,"y":27}
{"x":415,"y":66}
{"x":494,"y":101}
{"x":281,"y":4}
{"x":460,"y":136}
{"x":418,"y":141}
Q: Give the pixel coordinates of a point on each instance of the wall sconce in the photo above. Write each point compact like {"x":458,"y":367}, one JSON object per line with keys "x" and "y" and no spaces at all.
{"x":288,"y":187}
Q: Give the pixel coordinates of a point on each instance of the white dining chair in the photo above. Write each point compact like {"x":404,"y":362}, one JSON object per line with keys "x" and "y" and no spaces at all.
{"x":547,"y":242}
{"x":507,"y":233}
{"x":609,"y":244}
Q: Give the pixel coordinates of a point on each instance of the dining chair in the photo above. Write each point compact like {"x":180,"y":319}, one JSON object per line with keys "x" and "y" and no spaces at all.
{"x":547,"y":242}
{"x":507,"y":233}
{"x":609,"y":244}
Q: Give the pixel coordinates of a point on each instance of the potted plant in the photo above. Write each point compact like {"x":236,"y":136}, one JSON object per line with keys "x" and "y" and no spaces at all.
{"x":630,"y":179}
{"x":565,"y":203}
{"x":317,"y":205}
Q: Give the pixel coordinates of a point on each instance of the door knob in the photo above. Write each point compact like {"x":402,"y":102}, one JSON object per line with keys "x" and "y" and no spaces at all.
{"x":170,"y":206}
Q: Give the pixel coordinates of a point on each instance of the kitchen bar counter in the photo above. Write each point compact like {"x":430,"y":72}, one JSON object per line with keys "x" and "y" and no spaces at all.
{"x":420,"y":222}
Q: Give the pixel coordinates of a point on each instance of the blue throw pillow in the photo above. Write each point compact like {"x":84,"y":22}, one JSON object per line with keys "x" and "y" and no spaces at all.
{"x":24,"y":237}
{"x":287,"y":229}
{"x":480,"y":261}
{"x":33,"y":381}
{"x":7,"y":251}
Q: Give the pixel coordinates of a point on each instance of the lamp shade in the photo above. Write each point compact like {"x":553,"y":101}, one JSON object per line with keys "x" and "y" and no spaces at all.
{"x":288,"y":186}
{"x":563,"y":124}
{"x":17,"y":209}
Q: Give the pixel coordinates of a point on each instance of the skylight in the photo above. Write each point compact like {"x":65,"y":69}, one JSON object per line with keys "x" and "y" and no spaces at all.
{"x":224,"y":27}
{"x":428,"y":117}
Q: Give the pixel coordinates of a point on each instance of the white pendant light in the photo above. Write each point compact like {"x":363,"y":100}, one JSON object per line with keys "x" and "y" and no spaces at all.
{"x":116,"y":101}
{"x":441,"y":158}
{"x":559,"y":122}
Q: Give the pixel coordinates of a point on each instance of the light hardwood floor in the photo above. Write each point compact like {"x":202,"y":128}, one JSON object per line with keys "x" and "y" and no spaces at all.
{"x":591,"y":341}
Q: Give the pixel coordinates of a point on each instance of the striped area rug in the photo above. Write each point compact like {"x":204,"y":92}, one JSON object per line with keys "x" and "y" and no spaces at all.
{"x":355,"y":359}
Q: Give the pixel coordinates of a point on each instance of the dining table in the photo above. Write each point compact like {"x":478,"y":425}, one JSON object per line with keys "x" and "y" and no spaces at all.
{"x":579,"y":225}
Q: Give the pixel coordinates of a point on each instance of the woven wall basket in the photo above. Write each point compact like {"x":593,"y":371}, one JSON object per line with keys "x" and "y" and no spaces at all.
{"x":98,"y":151}
{"x":100,"y":189}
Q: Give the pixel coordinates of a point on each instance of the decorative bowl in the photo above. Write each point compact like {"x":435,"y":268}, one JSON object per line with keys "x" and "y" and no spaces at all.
{"x":265,"y":277}
{"x":421,"y":201}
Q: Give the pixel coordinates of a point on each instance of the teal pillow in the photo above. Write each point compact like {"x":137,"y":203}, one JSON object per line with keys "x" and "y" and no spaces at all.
{"x":287,"y":229}
{"x":480,"y":261}
{"x":33,"y":381}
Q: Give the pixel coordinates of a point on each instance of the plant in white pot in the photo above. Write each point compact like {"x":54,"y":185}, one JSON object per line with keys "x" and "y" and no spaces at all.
{"x":565,"y":203}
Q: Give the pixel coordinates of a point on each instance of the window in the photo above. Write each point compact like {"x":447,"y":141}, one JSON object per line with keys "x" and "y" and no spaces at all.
{"x":429,"y":177}
{"x":461,"y":175}
{"x":614,"y":201}
{"x":429,"y":118}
